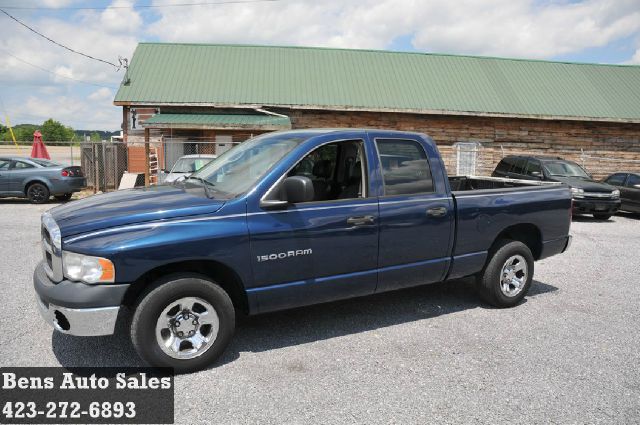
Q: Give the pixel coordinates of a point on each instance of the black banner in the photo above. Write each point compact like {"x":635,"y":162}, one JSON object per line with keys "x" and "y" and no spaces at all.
{"x":86,"y":395}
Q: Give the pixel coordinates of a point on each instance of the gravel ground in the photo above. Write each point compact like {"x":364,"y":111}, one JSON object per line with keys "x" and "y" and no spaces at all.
{"x":569,"y":354}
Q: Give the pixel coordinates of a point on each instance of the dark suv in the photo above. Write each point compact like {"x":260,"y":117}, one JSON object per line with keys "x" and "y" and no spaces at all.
{"x":589,"y":196}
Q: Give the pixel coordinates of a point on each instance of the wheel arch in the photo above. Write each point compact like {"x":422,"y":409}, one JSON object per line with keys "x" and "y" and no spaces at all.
{"x":527,"y":233}
{"x":33,"y":180}
{"x":219,"y":272}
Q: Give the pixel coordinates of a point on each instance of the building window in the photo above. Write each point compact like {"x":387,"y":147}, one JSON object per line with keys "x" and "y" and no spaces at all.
{"x":466,"y":158}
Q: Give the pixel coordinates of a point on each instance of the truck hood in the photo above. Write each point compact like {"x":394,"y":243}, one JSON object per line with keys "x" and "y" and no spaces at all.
{"x":132,"y":206}
{"x":587,"y":185}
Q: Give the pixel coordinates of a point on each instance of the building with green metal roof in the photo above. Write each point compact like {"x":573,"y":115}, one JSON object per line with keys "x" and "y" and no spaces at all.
{"x":203,"y":92}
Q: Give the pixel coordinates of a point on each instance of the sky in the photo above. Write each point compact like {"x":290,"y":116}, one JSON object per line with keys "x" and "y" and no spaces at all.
{"x":40,"y":80}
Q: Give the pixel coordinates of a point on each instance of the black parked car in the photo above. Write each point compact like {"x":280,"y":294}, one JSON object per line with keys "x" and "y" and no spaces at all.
{"x":589,"y":196}
{"x":629,"y":186}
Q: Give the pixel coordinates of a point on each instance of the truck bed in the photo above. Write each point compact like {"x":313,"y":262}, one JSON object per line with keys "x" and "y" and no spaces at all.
{"x":487,"y":205}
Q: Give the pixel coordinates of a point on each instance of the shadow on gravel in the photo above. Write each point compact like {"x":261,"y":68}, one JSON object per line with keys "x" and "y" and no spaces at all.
{"x":590,"y":219}
{"x":634,"y":216}
{"x":25,"y":201}
{"x":299,"y":326}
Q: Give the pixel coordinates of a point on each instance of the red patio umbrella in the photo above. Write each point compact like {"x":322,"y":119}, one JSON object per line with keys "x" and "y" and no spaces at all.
{"x":39,"y":150}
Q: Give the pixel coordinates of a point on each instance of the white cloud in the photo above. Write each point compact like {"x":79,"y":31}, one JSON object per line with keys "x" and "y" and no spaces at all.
{"x":635,"y":59}
{"x":105,"y":34}
{"x":101,"y":94}
{"x":519,"y":28}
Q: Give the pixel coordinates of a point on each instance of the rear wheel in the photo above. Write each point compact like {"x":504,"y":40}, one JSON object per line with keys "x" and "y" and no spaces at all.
{"x":507,"y":277}
{"x":601,"y":216}
{"x":63,"y":198}
{"x":184,"y":322}
{"x":38,"y":193}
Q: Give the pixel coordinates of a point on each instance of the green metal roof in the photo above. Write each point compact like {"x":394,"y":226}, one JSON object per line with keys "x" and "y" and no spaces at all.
{"x":219,"y":121}
{"x":319,"y":78}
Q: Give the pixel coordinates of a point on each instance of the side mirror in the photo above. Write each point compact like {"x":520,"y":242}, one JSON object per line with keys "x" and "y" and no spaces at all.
{"x":536,"y":174}
{"x":294,"y":189}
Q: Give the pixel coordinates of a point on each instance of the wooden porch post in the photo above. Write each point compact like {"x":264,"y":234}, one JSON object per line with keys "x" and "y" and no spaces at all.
{"x":147,"y":175}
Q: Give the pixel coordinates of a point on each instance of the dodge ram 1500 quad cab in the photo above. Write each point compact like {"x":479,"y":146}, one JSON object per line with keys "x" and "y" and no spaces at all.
{"x":284,"y":220}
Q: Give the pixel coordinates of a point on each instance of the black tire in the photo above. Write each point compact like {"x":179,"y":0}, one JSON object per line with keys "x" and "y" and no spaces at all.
{"x":63,"y":198}
{"x":601,"y":216}
{"x":38,"y":193}
{"x":489,"y":280}
{"x":160,"y":296}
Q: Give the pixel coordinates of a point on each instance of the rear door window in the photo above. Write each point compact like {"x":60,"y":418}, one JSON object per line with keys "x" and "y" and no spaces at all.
{"x":519,"y":166}
{"x":405,"y":167}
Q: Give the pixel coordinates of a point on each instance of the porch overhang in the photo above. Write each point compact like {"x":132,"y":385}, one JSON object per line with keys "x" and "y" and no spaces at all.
{"x":219,"y":122}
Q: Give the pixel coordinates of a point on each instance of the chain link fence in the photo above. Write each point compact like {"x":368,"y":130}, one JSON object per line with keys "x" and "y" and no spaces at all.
{"x":103,"y":163}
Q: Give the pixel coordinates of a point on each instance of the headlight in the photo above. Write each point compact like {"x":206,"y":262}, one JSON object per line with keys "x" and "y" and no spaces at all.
{"x":615,"y":193}
{"x":54,"y":231}
{"x":577,"y":192}
{"x":86,"y":268}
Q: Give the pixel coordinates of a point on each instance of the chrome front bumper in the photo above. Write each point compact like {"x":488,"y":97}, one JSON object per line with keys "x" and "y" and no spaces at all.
{"x":80,"y":321}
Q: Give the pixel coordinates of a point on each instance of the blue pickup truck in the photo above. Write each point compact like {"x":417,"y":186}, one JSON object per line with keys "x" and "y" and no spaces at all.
{"x":284,"y":220}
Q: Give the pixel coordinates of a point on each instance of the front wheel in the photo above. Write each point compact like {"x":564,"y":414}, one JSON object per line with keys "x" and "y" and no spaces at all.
{"x":601,"y":216}
{"x":507,"y":277}
{"x":184,"y":322}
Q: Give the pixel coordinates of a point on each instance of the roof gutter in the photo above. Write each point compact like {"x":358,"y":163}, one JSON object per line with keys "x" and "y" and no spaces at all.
{"x":385,"y":110}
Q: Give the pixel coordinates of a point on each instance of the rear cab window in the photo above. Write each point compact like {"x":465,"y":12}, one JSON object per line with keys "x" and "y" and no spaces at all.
{"x":504,"y":165}
{"x":405,"y":167}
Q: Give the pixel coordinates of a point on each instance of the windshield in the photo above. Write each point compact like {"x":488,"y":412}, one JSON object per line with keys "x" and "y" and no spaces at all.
{"x":565,"y":169}
{"x":45,"y":163}
{"x":190,"y":165}
{"x":238,"y":169}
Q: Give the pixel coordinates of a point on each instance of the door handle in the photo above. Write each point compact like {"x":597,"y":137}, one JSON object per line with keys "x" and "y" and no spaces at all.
{"x":437,"y":212}
{"x":361,"y":220}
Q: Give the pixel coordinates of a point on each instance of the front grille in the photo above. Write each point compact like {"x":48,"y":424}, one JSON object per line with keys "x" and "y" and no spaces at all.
{"x":598,"y":195}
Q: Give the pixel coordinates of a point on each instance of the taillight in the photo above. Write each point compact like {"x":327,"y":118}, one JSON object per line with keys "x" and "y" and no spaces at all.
{"x":71,"y":172}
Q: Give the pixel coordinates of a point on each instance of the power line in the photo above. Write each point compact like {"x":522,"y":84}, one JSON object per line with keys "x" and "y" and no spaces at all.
{"x":55,"y":42}
{"x":52,"y":72}
{"x":141,"y":6}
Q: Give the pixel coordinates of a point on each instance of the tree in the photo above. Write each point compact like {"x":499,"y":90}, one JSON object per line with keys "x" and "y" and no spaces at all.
{"x":95,"y":137}
{"x":54,"y":131}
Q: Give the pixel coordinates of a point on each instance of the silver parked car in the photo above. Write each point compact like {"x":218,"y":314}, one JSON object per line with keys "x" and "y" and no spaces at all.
{"x":187,"y":165}
{"x":38,"y":179}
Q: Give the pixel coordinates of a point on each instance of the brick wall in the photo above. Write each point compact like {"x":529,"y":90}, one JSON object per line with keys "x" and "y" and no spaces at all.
{"x":601,"y":147}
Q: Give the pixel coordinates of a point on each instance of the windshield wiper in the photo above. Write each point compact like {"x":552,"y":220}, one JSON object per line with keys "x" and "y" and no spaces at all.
{"x":205,"y":184}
